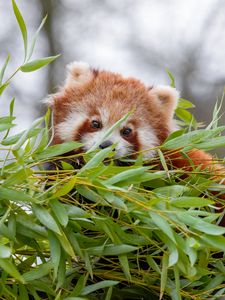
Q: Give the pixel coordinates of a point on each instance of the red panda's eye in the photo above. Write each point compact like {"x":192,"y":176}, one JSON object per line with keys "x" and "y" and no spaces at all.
{"x":96,"y":124}
{"x":126,"y":131}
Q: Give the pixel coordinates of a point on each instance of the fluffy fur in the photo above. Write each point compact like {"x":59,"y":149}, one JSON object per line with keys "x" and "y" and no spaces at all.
{"x":106,"y":97}
{"x":89,"y":95}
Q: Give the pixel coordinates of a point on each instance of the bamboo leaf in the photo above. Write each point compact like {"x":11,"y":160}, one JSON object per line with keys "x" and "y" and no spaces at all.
{"x":2,"y":71}
{"x":55,"y":250}
{"x":57,"y":150}
{"x":37,"y":64}
{"x":111,"y":250}
{"x":7,"y":265}
{"x":216,"y":242}
{"x":38,"y":272}
{"x":14,"y":195}
{"x":45,"y":218}
{"x":65,"y":189}
{"x":6,"y":126}
{"x":191,"y":202}
{"x":162,"y":224}
{"x":164,"y":274}
{"x":60,"y":212}
{"x":126,"y":175}
{"x":35,"y":38}
{"x":96,"y":286}
{"x":199,"y":224}
{"x":22,"y":26}
{"x":3,"y":87}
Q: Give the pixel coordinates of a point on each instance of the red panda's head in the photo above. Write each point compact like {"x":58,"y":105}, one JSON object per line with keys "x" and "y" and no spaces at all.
{"x":91,"y":101}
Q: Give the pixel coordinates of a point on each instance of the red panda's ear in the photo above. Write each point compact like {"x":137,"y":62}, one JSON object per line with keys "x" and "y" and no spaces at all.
{"x":79,"y":74}
{"x":52,"y":98}
{"x":167,"y":97}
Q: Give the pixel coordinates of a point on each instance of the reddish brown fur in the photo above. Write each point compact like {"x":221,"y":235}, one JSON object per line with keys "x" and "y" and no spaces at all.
{"x":119,"y":95}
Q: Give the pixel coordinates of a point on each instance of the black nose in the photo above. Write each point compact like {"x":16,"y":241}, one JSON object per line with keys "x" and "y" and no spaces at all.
{"x":105,"y":144}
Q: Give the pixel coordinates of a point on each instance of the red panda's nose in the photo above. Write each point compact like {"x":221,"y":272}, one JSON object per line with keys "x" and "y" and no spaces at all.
{"x":105,"y":144}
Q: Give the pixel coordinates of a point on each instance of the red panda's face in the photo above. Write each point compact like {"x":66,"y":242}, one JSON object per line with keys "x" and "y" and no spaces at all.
{"x":92,"y":101}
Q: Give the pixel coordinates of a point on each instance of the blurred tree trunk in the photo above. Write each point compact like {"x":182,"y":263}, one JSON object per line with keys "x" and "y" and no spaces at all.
{"x":49,"y":8}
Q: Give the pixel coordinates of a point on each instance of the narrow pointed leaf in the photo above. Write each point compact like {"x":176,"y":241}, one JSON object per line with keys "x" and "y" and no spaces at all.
{"x":7,"y":265}
{"x":37,"y":64}
{"x":22,"y":25}
{"x":2,"y":71}
{"x":46,"y":219}
{"x":35,"y":38}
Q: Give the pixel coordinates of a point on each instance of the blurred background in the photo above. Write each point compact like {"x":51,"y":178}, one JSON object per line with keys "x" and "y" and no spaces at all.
{"x":137,"y":38}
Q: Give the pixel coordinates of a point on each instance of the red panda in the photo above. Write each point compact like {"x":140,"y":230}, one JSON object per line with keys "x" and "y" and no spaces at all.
{"x":91,"y":101}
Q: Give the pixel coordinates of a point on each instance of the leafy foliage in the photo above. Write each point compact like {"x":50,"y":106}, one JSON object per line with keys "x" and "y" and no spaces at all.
{"x":103,"y":231}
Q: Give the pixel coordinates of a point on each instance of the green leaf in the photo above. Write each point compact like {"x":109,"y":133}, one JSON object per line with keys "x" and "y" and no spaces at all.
{"x":171,"y":191}
{"x":46,"y":219}
{"x":191,"y":202}
{"x":96,"y":286}
{"x":76,"y":212}
{"x":3,"y":87}
{"x":125,"y":266}
{"x":22,"y":25}
{"x":66,"y":245}
{"x":7,"y":120}
{"x":55,"y":250}
{"x":185,"y":104}
{"x":97,"y":159}
{"x":57,"y":150}
{"x":90,"y":194}
{"x":23,"y":138}
{"x":2,"y":71}
{"x":14,"y":139}
{"x":216,"y":242}
{"x":186,"y":116}
{"x":111,"y":250}
{"x":23,"y":294}
{"x":14,"y":195}
{"x":191,"y":138}
{"x":214,"y":143}
{"x":7,"y":265}
{"x":172,"y":80}
{"x":164,"y":274}
{"x":6,"y":126}
{"x":199,"y":224}
{"x":177,"y":282}
{"x":60,"y":212}
{"x":126,"y":175}
{"x":37,"y":64}
{"x":18,"y":178}
{"x":163,"y":162}
{"x":109,"y":294}
{"x":79,"y":285}
{"x":65,"y":189}
{"x":35,"y":38}
{"x":162,"y":224}
{"x":38,"y":272}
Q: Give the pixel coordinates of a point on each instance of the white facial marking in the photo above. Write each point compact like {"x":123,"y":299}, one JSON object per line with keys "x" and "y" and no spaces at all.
{"x":148,"y":140}
{"x":104,"y":113}
{"x":67,"y":128}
